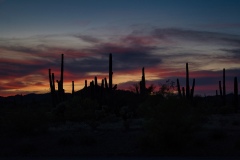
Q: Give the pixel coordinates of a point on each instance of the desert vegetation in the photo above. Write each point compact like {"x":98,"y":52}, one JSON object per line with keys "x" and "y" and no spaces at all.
{"x":101,"y":120}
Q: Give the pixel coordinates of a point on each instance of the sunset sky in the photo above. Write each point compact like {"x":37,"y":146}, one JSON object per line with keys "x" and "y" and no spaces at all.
{"x":160,"y":35}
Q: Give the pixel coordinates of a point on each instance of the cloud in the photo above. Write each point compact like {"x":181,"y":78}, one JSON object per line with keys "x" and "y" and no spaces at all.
{"x":139,"y":40}
{"x":222,"y":25}
{"x":162,"y":51}
{"x":87,"y":38}
{"x":197,"y":36}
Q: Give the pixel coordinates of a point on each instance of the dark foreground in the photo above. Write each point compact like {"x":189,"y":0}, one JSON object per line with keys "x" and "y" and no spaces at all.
{"x":217,"y":139}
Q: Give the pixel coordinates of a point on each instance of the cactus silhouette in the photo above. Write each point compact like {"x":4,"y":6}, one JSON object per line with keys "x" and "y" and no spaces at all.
{"x":110,"y":72}
{"x":106,"y":84}
{"x":52,"y":86}
{"x":187,"y":82}
{"x":186,"y":92}
{"x":85,"y":84}
{"x":60,"y":82}
{"x":72,"y":87}
{"x":193,"y":86}
{"x":183,"y":92}
{"x":224,"y":88}
{"x":50,"y":79}
{"x":235,"y":94}
{"x":92,"y":90}
{"x":53,"y":83}
{"x":220,"y":88}
{"x":179,"y":89}
{"x":95,"y":81}
{"x":143,"y":83}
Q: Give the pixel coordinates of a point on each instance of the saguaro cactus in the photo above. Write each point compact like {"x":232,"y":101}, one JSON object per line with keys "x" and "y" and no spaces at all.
{"x":187,"y":81}
{"x":72,"y":87}
{"x":95,"y":80}
{"x":235,"y":94}
{"x":110,"y":71}
{"x":220,"y":88}
{"x":183,"y":92}
{"x":53,"y":83}
{"x":52,"y":86}
{"x":62,"y":65}
{"x":193,"y":86}
{"x":143,"y":83}
{"x":102,"y":84}
{"x":50,"y":79}
{"x":92,"y":89}
{"x":179,"y":89}
{"x":60,"y":83}
{"x":85,"y":84}
{"x":106,"y":84}
{"x":224,"y":88}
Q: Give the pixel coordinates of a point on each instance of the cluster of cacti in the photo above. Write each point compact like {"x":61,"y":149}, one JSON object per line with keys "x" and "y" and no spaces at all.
{"x":97,"y":91}
{"x":222,"y":90}
{"x":143,"y":83}
{"x":188,"y":93}
{"x":60,"y":96}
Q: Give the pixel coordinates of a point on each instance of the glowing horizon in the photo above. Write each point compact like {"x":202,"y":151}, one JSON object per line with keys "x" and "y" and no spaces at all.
{"x":160,"y":35}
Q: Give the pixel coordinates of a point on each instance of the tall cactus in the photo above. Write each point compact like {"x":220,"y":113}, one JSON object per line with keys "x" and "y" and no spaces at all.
{"x":236,"y":94}
{"x":179,"y":89}
{"x":110,"y":71}
{"x":85,"y":84}
{"x":187,"y":81}
{"x":183,"y":92}
{"x":220,"y":88}
{"x":106,"y":84}
{"x":52,"y":86}
{"x":95,"y":81}
{"x":72,"y":87}
{"x":62,"y":66}
{"x":224,"y":88}
{"x":53,"y":83}
{"x":60,"y":82}
{"x":102,"y":84}
{"x":192,"y":90}
{"x":143,"y":83}
{"x":92,"y":89}
{"x":50,"y":79}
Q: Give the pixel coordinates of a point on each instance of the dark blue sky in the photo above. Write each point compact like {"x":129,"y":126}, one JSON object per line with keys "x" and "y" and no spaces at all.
{"x":160,"y":35}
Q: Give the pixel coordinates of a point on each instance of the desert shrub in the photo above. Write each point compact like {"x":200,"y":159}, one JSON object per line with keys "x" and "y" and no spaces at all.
{"x":87,"y":140}
{"x":225,"y":110}
{"x":27,"y":148}
{"x":66,"y":140}
{"x":218,"y":135}
{"x":170,"y":122}
{"x":25,"y":121}
{"x":81,"y":109}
